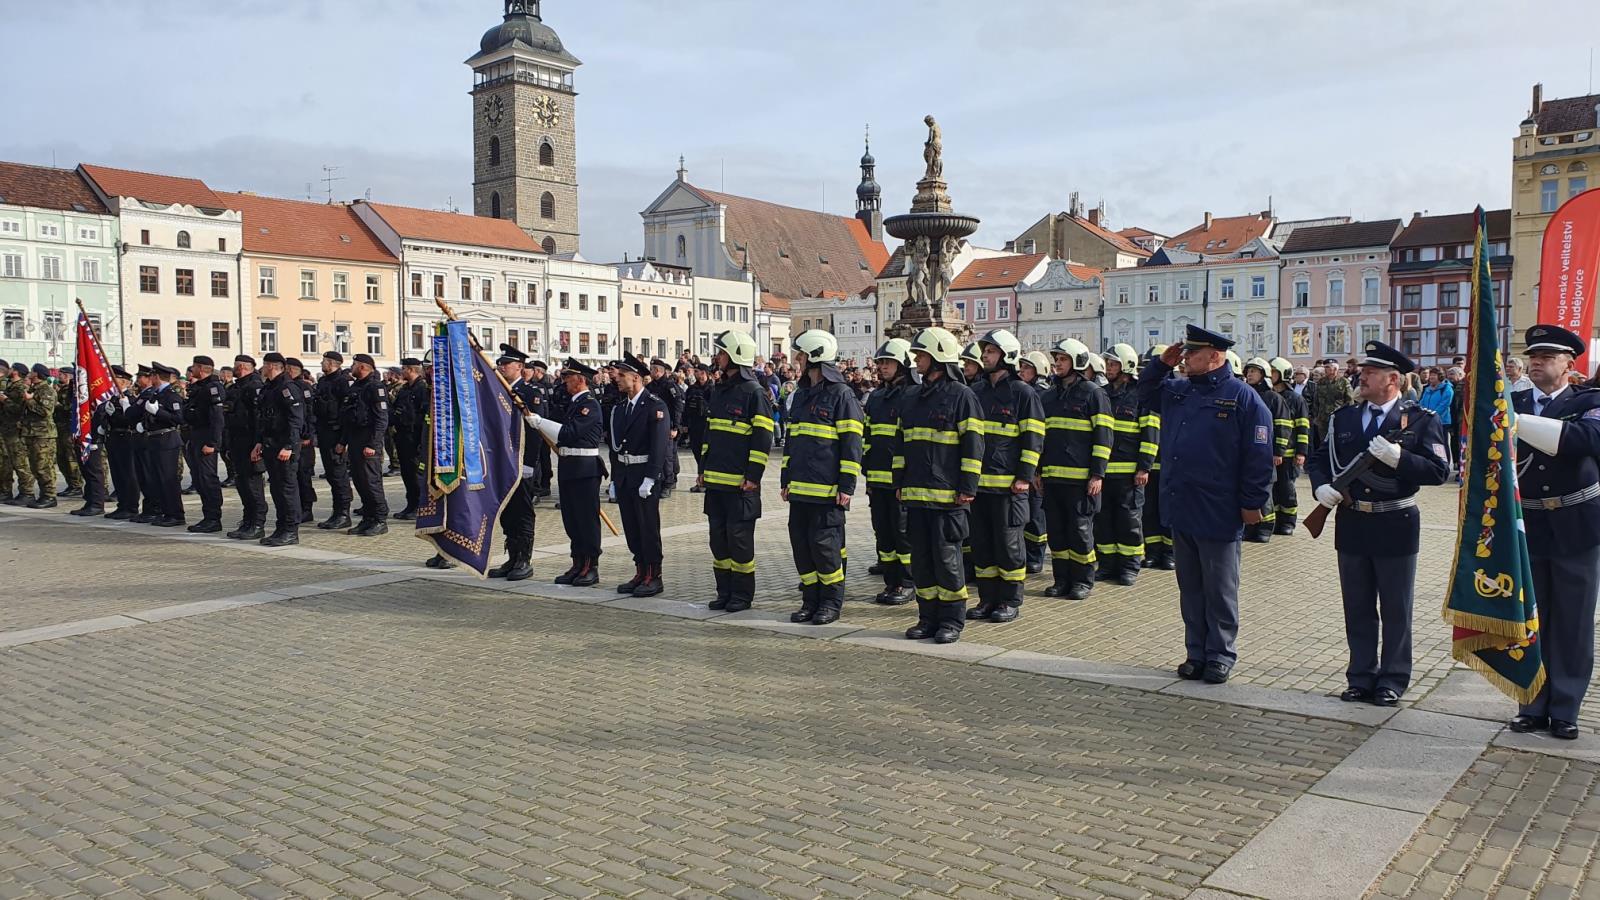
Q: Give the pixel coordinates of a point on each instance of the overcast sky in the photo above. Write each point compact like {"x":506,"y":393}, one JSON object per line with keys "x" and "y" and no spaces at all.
{"x":1370,"y":108}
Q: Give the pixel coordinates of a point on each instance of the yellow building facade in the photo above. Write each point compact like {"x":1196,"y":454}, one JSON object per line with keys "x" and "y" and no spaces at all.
{"x":1556,"y":156}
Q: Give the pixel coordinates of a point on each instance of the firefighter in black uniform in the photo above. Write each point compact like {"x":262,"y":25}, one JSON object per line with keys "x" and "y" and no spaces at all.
{"x":517,"y":516}
{"x":241,"y":399}
{"x":1157,"y":537}
{"x":542,"y":391}
{"x":1257,"y":374}
{"x":666,"y":387}
{"x":364,"y":428}
{"x":1119,"y":528}
{"x":821,"y":464}
{"x":1013,"y":429}
{"x":578,"y":446}
{"x":203,"y":413}
{"x":307,"y":457}
{"x":1035,"y":371}
{"x":941,"y":430}
{"x":639,"y":435}
{"x":121,"y":455}
{"x":880,"y":455}
{"x":1077,"y":446}
{"x":281,"y":418}
{"x":1285,"y":494}
{"x":328,"y":402}
{"x":162,"y":417}
{"x":410,"y":437}
{"x":695,"y":400}
{"x":738,"y":438}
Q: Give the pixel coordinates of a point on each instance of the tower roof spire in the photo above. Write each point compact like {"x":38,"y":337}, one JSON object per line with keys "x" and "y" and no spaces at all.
{"x":683,"y":173}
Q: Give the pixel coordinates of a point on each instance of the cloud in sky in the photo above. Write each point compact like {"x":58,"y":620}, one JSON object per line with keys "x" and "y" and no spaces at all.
{"x":1364,"y":108}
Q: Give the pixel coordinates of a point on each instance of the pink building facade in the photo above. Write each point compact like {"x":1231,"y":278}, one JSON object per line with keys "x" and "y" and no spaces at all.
{"x":1334,"y":290}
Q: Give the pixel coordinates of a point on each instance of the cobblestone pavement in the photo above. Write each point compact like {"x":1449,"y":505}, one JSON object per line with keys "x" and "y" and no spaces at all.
{"x":1517,"y":825}
{"x":447,"y":742}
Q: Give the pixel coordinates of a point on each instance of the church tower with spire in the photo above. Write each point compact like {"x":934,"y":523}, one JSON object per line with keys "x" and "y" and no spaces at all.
{"x":869,"y":197}
{"x":525,"y":154}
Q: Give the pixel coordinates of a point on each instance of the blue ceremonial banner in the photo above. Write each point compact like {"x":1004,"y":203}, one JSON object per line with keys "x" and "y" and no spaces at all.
{"x":445,"y":460}
{"x":462,"y":357}
{"x":461,"y":524}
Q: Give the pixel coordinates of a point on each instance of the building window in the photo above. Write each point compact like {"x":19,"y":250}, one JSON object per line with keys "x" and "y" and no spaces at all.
{"x":583,"y":302}
{"x":466,"y":288}
{"x":185,"y":282}
{"x":50,"y":267}
{"x":533,"y":294}
{"x":511,"y":292}
{"x":341,"y":338}
{"x":1122,"y":295}
{"x":13,"y":265}
{"x":89,"y":270}
{"x":602,"y":342}
{"x":183,"y":240}
{"x":1335,"y":293}
{"x":375,"y":340}
{"x":1152,"y":293}
{"x":513,"y":338}
{"x":10,"y":226}
{"x":1334,"y":340}
{"x":683,"y":247}
{"x":980,"y":307}
{"x":566,"y":300}
{"x":269,"y":337}
{"x":1302,"y":294}
{"x":673,"y":310}
{"x":1077,"y":305}
{"x":308,"y":284}
{"x":15,"y":330}
{"x":144,"y":236}
{"x":547,"y":154}
{"x":1411,"y":296}
{"x":744,"y":316}
{"x":220,"y":332}
{"x":600,"y":303}
{"x":267,"y":281}
{"x":438,"y":287}
{"x":1300,"y":340}
{"x":341,"y":287}
{"x":185,"y":333}
{"x":566,"y":341}
{"x":627,"y":345}
{"x":48,"y":230}
{"x":1370,"y":332}
{"x":149,"y":280}
{"x":55,"y":325}
{"x":1548,"y":192}
{"x":494,"y":155}
{"x":416,"y":284}
{"x":549,"y":246}
{"x":373,"y":285}
{"x":547,"y":206}
{"x":1449,"y":341}
{"x":1258,"y":286}
{"x":219,"y":284}
{"x":1449,"y":295}
{"x":1369,"y":290}
{"x":1576,"y":186}
{"x":705,"y":311}
{"x":494,"y":205}
{"x":488,"y":337}
{"x":308,"y":337}
{"x":417,"y":337}
{"x":87,"y":234}
{"x":150,"y":332}
{"x":222,"y":245}
{"x":1258,"y":336}
{"x":488,"y":290}
{"x":1227,"y":289}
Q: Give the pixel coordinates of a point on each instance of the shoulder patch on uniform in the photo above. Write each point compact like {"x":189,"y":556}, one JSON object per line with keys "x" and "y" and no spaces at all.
{"x":287,"y":392}
{"x":382,"y":404}
{"x":1261,"y":434}
{"x":660,"y":414}
{"x":1440,"y":452}
{"x":583,"y":410}
{"x":1592,"y":413}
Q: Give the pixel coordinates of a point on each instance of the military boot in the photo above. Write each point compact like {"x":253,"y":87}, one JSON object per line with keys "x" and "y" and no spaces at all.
{"x":588,"y":575}
{"x":651,"y":585}
{"x":285,"y":538}
{"x":927,"y":621}
{"x":504,"y":568}
{"x":723,"y":590}
{"x":1063,"y":579}
{"x":638,"y":578}
{"x":1035,"y":558}
{"x":338,"y":520}
{"x":521,"y":565}
{"x":830,"y":602}
{"x":571,"y":572}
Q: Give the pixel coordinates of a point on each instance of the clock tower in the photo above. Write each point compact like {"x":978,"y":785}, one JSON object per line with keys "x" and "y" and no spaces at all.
{"x":525,"y":155}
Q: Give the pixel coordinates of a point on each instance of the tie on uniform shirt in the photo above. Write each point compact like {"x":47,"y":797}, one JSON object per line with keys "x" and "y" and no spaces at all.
{"x":1374,"y":420}
{"x":1539,"y":402}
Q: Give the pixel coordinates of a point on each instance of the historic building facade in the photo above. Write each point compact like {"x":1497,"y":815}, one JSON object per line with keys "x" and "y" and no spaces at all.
{"x":525,"y":154}
{"x":985,"y":291}
{"x":655,"y":305}
{"x":1555,"y":157}
{"x":1064,"y":302}
{"x":1430,"y":284}
{"x":1080,"y":236}
{"x":58,"y":245}
{"x":1334,"y":290}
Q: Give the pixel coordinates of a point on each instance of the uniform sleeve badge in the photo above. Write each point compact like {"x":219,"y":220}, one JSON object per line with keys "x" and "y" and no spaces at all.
{"x":383,"y":404}
{"x":1440,"y":452}
{"x":583,"y":410}
{"x":287,"y":393}
{"x":660,"y":414}
{"x":1261,"y":434}
{"x":1592,"y":413}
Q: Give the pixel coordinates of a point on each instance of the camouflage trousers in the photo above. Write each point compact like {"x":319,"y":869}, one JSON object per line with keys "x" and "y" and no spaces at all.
{"x":67,"y":459}
{"x":17,"y":451}
{"x":41,"y":455}
{"x":7,"y":468}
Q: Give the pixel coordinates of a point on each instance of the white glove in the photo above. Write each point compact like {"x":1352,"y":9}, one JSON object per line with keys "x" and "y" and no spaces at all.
{"x":139,"y":428}
{"x":1385,"y":451}
{"x":1541,"y":433}
{"x":125,"y":402}
{"x":1329,"y":496}
{"x":551,"y":430}
{"x":528,"y":472}
{"x":152,"y":407}
{"x":645,"y":487}
{"x":611,"y":491}
{"x":533,"y":419}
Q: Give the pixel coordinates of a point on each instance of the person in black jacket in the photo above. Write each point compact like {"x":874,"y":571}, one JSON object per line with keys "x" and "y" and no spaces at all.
{"x":328,"y":404}
{"x":639,"y":433}
{"x":364,"y":428}
{"x":879,"y":455}
{"x":407,"y":416}
{"x":281,"y":422}
{"x":240,"y":401}
{"x":666,"y":388}
{"x":1013,"y":426}
{"x":695,"y":400}
{"x":738,"y":430}
{"x":121,"y":455}
{"x":308,"y":440}
{"x":542,"y":391}
{"x":162,"y":415}
{"x":577,"y":441}
{"x":203,"y":413}
{"x":94,"y":473}
{"x":517,"y":516}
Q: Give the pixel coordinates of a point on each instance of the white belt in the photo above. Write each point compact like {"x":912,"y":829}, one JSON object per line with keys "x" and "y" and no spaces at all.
{"x":578,"y":451}
{"x":1383,"y":506}
{"x":1572,"y":499}
{"x":628,"y":460}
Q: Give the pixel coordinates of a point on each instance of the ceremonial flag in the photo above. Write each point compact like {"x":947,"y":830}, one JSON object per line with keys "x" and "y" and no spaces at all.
{"x":1569,"y":265}
{"x":1490,"y":605}
{"x":92,"y":384}
{"x":461,"y":524}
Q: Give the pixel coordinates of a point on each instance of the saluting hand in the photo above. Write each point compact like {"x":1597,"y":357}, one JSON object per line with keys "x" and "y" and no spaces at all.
{"x":1172,"y":355}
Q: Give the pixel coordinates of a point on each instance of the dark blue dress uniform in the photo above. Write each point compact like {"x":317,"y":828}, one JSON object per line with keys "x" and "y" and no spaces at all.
{"x":1013,"y":436}
{"x":162,"y":444}
{"x":1119,"y":527}
{"x":673,"y":399}
{"x":239,"y":401}
{"x":281,"y":416}
{"x":203,"y":413}
{"x":942,"y":440}
{"x":1378,"y":533}
{"x":364,"y":421}
{"x":408,"y":415}
{"x":1561,"y":513}
{"x":327,"y":402}
{"x":1077,"y":447}
{"x":94,"y":479}
{"x":578,"y":474}
{"x":122,"y":458}
{"x":640,"y":447}
{"x":821,"y":460}
{"x":1216,"y":460}
{"x":738,"y":431}
{"x":880,"y":451}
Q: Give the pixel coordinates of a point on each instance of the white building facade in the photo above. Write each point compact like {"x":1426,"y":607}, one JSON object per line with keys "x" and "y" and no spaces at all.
{"x":722,"y":304}
{"x":582,"y":310}
{"x":1063,"y":303}
{"x":1235,"y":296}
{"x":655,"y":309}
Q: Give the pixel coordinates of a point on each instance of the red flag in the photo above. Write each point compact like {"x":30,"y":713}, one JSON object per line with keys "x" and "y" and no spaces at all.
{"x":92,"y":383}
{"x":1569,"y":266}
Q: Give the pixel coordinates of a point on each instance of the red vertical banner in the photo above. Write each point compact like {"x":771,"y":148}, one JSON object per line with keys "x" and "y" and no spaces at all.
{"x":92,"y":384}
{"x":1569,"y":265}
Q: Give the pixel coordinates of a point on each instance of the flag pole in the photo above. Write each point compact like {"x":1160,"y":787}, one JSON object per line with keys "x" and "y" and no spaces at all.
{"x":451,"y":315}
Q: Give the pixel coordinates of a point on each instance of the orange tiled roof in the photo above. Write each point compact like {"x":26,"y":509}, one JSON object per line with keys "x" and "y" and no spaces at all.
{"x":298,"y":228}
{"x":1083,"y":273}
{"x":1133,"y":231}
{"x":1226,"y":235}
{"x":151,"y":188}
{"x":455,"y":228}
{"x":45,"y":188}
{"x":1114,"y":239}
{"x":787,"y":247}
{"x":996,"y":272}
{"x":774,"y":302}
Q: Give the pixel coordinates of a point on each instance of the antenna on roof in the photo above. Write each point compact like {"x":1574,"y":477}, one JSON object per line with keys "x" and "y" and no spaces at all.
{"x":308,"y":191}
{"x":328,"y":178}
{"x":368,"y":195}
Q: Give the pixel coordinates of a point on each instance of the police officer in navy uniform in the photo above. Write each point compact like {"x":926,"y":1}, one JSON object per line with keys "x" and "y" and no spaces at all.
{"x":327,"y":402}
{"x":1558,"y":476}
{"x":307,"y":456}
{"x":1379,"y":526}
{"x":121,"y":450}
{"x":281,"y":417}
{"x":1216,"y":476}
{"x":517,"y":516}
{"x":672,"y":396}
{"x":364,"y":426}
{"x":163,"y":415}
{"x":203,"y":413}
{"x":407,"y":414}
{"x":639,"y":436}
{"x":240,"y":400}
{"x":580,"y":469}
{"x":535,"y":395}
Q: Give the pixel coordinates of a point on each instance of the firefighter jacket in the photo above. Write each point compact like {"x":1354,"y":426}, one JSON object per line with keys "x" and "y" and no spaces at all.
{"x":1282,"y":421}
{"x":941,"y":434}
{"x":822,"y":456}
{"x":1300,"y":414}
{"x":1013,"y":432}
{"x":1078,"y":429}
{"x":882,"y":447}
{"x":1135,"y":432}
{"x":738,"y":431}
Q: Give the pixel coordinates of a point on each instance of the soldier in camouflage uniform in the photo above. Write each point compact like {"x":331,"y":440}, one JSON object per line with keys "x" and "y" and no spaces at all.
{"x":66,"y":447}
{"x":1326,"y":397}
{"x":11,"y":433}
{"x":8,"y":426}
{"x":38,"y":431}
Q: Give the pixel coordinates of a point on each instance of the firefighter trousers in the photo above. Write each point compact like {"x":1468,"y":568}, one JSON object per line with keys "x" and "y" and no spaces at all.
{"x":1286,"y":497}
{"x":732,"y":517}
{"x":1119,"y":528}
{"x":816,"y":532}
{"x":1157,"y":537}
{"x":1069,"y":514}
{"x":936,"y":536}
{"x":889,"y":528}
{"x":999,"y":557}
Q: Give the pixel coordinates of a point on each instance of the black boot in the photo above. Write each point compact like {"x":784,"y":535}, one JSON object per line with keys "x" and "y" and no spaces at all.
{"x":338,"y":520}
{"x":927,"y":621}
{"x":571,"y":572}
{"x":205,"y":526}
{"x":1165,"y":560}
{"x":651,"y":585}
{"x":1062,"y":571}
{"x":97,"y":510}
{"x":285,"y":538}
{"x":1004,"y":613}
{"x":438,"y":561}
{"x":638,"y":578}
{"x":808,"y":605}
{"x":830,"y":602}
{"x":952,"y":616}
{"x":521,"y":565}
{"x":588,"y":575}
{"x":504,"y":568}
{"x":895,"y":596}
{"x":1035,"y":558}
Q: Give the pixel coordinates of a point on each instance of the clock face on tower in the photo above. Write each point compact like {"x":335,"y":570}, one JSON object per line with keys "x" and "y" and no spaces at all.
{"x":547,"y":110}
{"x":494,"y":109}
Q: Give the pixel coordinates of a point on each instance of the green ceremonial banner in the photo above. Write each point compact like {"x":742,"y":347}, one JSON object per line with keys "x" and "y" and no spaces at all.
{"x":1490,"y":605}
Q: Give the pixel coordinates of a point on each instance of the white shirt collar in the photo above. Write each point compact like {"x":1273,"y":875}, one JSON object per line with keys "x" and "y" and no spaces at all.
{"x":1385,"y":407}
{"x":1541,"y":397}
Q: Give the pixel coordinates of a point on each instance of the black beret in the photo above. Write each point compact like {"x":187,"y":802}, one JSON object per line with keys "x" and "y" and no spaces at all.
{"x":293,"y":361}
{"x":204,"y":361}
{"x":41,"y":370}
{"x":411,"y":361}
{"x":20,"y":368}
{"x":334,"y":355}
{"x":244,"y":358}
{"x":364,"y":358}
{"x":1555,"y":338}
{"x":272,"y":358}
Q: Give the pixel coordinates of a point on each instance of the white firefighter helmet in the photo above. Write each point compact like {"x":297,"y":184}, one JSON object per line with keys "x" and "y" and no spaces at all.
{"x":819,"y":346}
{"x":740,"y":347}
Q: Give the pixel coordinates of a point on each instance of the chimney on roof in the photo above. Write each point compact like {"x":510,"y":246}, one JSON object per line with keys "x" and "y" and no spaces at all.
{"x":1266,"y":214}
{"x":1415,"y":215}
{"x":1095,"y":214}
{"x":1207,"y":226}
{"x":1074,"y":205}
{"x":1538,"y":99}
